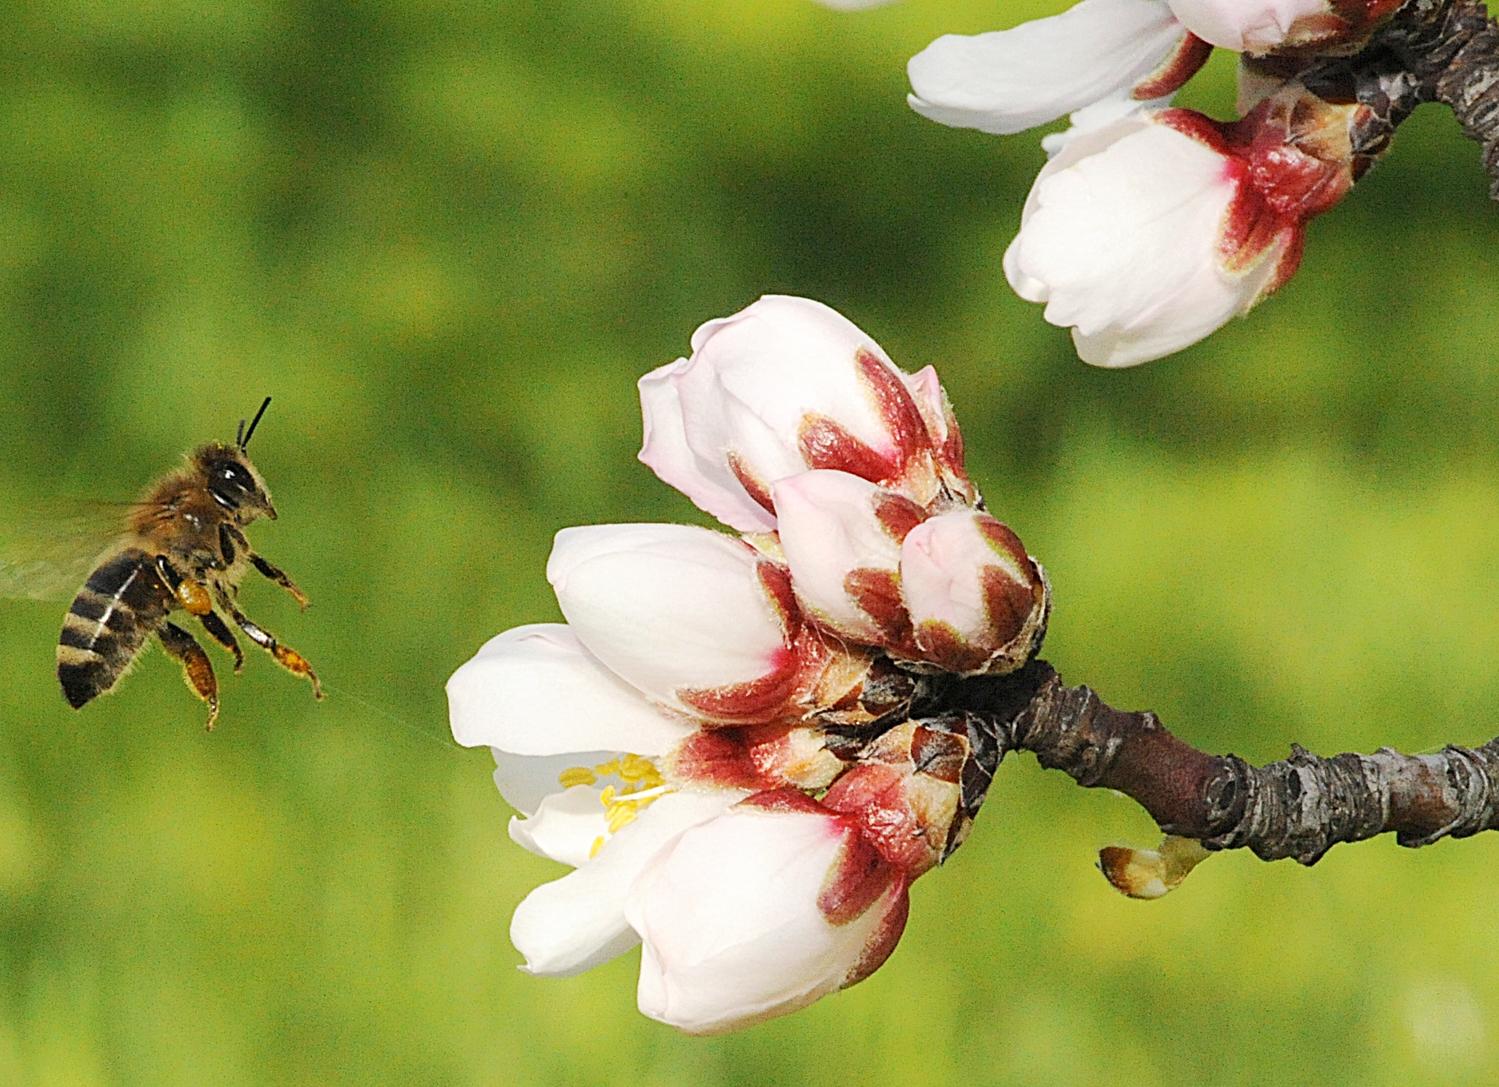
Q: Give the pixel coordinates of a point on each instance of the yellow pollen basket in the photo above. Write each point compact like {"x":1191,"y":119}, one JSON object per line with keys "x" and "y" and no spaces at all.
{"x":642,"y":783}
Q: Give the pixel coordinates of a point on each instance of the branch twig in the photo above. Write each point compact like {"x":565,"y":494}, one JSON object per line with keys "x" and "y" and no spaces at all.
{"x":1299,"y":807}
{"x":1451,"y":48}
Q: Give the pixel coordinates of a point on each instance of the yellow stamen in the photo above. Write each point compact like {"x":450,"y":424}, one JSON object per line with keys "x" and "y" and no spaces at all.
{"x":642,"y":784}
{"x":620,"y":817}
{"x":577,"y":775}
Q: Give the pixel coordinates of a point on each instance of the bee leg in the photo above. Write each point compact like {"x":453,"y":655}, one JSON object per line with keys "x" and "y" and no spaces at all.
{"x":219,"y":631}
{"x":196,"y":668}
{"x":191,"y":596}
{"x":276,"y":574}
{"x":267,"y":569}
{"x":285,"y":656}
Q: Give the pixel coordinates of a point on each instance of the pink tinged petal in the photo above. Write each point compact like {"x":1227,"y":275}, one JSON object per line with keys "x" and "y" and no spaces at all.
{"x":1010,"y":80}
{"x":784,"y":385}
{"x":709,"y":481}
{"x":673,"y":610}
{"x":1180,"y":65}
{"x":1251,"y":26}
{"x":942,"y":430}
{"x":535,"y":690}
{"x":576,"y":922}
{"x":906,"y":795}
{"x":835,"y":539}
{"x":1121,"y":239}
{"x":760,"y":912}
{"x":754,"y":758}
{"x":977,"y":601}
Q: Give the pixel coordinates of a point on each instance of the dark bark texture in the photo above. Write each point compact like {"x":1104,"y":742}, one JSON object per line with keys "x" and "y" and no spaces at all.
{"x":1448,"y":51}
{"x":1299,"y":807}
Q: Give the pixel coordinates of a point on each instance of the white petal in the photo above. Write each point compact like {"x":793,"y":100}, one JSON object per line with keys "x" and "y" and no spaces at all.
{"x":730,"y":921}
{"x":525,"y":781}
{"x":1120,"y":237}
{"x":754,"y":378}
{"x":828,"y":529}
{"x":942,"y":570}
{"x":667,"y":606}
{"x":1099,"y":114}
{"x":535,"y":690}
{"x":1011,"y":80}
{"x":1079,"y":145}
{"x":1252,"y":26}
{"x":565,"y":826}
{"x":576,"y":922}
{"x":705,"y":479}
{"x":852,"y":5}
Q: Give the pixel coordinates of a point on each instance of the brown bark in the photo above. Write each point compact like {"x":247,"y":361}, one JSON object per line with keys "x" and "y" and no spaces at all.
{"x":1299,"y":807}
{"x":1450,"y":50}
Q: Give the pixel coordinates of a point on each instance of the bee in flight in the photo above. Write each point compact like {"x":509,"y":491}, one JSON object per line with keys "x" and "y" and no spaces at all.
{"x":183,"y":549}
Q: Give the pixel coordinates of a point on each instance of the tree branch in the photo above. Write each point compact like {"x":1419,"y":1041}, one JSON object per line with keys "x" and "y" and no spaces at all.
{"x":1299,"y":807}
{"x":1451,"y":48}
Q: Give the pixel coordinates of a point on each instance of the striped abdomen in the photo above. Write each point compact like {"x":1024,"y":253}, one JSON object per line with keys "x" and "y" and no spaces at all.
{"x":114,"y":613}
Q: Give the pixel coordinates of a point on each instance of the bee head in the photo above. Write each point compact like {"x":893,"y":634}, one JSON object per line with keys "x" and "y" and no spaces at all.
{"x":233,"y":482}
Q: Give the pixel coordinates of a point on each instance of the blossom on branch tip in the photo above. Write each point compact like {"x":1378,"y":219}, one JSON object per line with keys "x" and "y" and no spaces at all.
{"x":720,"y":740}
{"x":1141,"y":242}
{"x":1150,"y":233}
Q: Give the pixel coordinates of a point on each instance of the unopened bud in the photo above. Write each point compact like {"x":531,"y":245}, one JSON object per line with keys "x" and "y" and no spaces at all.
{"x":978,"y":603}
{"x":1151,"y":873}
{"x":917,"y":788}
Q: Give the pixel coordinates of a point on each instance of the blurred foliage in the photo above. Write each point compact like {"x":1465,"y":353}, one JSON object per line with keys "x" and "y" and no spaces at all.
{"x":448,"y":239}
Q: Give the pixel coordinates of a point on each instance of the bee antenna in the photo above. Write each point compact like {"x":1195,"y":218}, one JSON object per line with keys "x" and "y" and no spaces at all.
{"x":243,"y":438}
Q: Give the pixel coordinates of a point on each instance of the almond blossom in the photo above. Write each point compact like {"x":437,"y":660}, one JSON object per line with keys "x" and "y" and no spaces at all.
{"x":1149,"y":233}
{"x":1150,"y":228}
{"x":723,"y":741}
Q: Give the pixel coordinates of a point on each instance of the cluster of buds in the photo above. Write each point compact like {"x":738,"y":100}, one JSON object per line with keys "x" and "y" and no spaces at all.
{"x":1151,"y":227}
{"x":730,"y":739}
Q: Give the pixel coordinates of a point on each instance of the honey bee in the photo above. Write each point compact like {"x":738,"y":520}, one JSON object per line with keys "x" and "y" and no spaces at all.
{"x":183,"y":548}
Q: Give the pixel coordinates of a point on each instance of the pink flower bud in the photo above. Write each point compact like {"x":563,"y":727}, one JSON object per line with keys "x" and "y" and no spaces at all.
{"x":977,"y":602}
{"x":761,"y":911}
{"x":841,"y":536}
{"x":780,"y":387}
{"x":1010,"y":80}
{"x":1150,"y":233}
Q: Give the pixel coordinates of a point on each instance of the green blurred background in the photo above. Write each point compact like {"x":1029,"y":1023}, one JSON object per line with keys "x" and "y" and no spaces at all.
{"x":448,"y":239}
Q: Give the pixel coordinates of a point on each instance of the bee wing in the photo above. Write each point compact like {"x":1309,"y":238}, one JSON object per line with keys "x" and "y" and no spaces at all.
{"x":48,"y":551}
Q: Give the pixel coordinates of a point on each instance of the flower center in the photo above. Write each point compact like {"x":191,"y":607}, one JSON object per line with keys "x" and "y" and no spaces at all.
{"x":639,"y":784}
